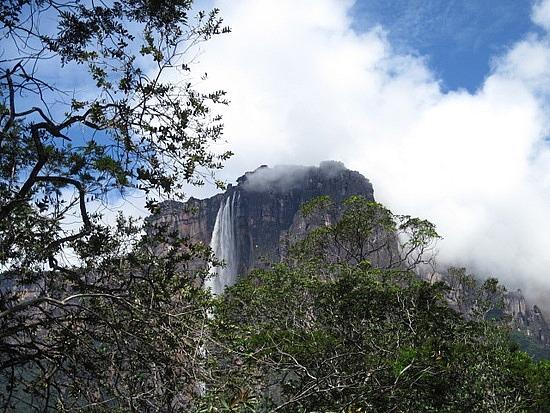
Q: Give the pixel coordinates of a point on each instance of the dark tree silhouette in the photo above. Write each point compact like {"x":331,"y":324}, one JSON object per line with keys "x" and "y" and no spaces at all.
{"x":97,"y":102}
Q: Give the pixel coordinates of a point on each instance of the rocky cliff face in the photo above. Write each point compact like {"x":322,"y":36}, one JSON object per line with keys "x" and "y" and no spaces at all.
{"x":528,"y":320}
{"x":265,"y":203}
{"x":248,"y":224}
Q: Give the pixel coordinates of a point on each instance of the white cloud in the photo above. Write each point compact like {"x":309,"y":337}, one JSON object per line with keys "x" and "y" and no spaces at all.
{"x":305,"y":87}
{"x":541,"y":14}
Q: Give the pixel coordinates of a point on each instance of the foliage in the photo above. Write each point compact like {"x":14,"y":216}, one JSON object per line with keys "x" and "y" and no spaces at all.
{"x":99,"y":106}
{"x":126,"y":333}
{"x":355,"y":337}
{"x":363,"y":231}
{"x":531,"y":346}
{"x":366,"y":342}
{"x":481,"y":300}
{"x":106,"y":318}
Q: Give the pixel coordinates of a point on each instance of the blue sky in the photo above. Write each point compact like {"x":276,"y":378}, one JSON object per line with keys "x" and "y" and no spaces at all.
{"x":457,"y":37}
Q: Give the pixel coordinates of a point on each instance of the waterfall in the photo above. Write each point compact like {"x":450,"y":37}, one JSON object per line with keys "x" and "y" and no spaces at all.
{"x":224,"y":246}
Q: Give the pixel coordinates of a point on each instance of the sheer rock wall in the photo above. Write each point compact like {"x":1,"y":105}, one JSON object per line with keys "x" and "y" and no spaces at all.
{"x":267,"y":212}
{"x":268,"y":201}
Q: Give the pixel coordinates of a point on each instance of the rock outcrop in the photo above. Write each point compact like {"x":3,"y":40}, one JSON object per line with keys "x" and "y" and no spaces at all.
{"x":264,"y":211}
{"x":529,"y":321}
{"x":266,"y":204}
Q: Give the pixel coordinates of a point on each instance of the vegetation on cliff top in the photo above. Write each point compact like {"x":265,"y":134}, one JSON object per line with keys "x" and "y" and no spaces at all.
{"x":321,"y":334}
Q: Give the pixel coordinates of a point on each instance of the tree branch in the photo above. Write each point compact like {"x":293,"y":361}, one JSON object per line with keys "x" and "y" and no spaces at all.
{"x":39,"y":300}
{"x":31,"y":180}
{"x":63,"y":180}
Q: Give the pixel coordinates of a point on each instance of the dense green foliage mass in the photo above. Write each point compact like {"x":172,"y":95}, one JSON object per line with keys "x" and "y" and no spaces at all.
{"x":368,"y":341}
{"x":97,"y":103}
{"x":323,"y":335}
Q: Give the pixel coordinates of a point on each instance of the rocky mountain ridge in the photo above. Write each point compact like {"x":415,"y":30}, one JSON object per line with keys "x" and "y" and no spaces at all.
{"x":263,"y":209}
{"x":266,"y":202}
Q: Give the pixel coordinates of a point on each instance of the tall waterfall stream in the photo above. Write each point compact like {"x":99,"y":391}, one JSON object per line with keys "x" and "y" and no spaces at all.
{"x":224,"y":246}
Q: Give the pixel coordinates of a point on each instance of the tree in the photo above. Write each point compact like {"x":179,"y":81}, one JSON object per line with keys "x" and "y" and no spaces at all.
{"x":319,"y":333}
{"x":90,"y":316}
{"x":363,"y":231}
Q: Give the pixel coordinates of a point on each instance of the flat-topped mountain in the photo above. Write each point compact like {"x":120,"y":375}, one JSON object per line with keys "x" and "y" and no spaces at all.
{"x":247,"y":224}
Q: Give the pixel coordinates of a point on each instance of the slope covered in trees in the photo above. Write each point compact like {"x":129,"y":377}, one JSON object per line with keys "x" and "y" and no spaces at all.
{"x":317,"y":333}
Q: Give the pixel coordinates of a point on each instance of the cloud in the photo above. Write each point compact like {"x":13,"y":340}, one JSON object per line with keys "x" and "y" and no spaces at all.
{"x":541,"y":14}
{"x":305,"y":87}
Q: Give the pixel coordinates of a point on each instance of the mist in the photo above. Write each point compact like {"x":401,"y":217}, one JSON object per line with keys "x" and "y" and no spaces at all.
{"x":280,"y":178}
{"x":304,"y":87}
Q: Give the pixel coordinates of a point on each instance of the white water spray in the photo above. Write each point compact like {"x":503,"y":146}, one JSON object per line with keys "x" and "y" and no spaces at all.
{"x":223,"y":245}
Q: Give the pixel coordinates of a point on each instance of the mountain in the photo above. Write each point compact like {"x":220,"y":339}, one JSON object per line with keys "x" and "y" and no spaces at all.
{"x":532,"y":332}
{"x":245,"y":225}
{"x":251,"y":223}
